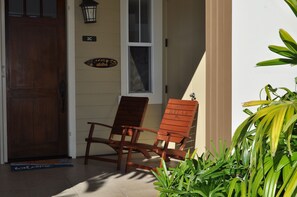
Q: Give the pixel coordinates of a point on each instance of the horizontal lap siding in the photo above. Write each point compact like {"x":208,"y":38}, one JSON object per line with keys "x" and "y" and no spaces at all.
{"x":98,"y":89}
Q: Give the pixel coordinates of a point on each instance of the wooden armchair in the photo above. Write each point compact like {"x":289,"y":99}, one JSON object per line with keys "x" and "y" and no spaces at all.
{"x":130,"y":111}
{"x":175,"y":127}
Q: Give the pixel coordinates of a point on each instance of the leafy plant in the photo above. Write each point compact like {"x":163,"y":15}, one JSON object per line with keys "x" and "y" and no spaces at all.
{"x":273,"y":149}
{"x":207,"y":175}
{"x":289,"y":51}
{"x":261,"y":161}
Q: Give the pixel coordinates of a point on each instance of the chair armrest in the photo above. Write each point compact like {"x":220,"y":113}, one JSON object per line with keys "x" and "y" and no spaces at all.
{"x":134,"y":132}
{"x":100,"y":124}
{"x":184,"y":140}
{"x":137,"y":129}
{"x":178,"y":133}
{"x":90,"y":136}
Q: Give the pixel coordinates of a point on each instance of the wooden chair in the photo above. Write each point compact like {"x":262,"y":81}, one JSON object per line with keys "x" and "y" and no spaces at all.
{"x":175,"y":127}
{"x":130,"y":111}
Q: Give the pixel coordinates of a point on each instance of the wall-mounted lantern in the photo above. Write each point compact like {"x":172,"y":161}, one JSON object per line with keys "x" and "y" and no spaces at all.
{"x":89,"y":8}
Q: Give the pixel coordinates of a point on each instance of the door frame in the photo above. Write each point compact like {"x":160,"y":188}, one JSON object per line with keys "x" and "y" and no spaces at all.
{"x":70,"y":34}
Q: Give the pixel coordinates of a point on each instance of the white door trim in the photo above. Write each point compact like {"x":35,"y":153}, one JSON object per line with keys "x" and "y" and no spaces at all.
{"x":70,"y":21}
{"x":3,"y":132}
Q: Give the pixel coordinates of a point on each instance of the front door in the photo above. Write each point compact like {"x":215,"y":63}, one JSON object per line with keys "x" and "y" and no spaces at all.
{"x":36,"y":79}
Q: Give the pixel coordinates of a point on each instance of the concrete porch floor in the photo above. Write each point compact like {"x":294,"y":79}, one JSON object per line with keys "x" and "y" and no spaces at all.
{"x":95,"y":179}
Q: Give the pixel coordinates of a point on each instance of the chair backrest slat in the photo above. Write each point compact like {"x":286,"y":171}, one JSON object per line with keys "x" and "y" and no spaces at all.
{"x":178,"y":117}
{"x":131,"y":111}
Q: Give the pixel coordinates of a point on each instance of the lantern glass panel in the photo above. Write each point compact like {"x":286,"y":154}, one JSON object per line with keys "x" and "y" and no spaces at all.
{"x":91,"y":13}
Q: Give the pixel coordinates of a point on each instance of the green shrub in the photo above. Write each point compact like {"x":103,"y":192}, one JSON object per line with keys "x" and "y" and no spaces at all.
{"x":207,"y":175}
{"x":261,"y":161}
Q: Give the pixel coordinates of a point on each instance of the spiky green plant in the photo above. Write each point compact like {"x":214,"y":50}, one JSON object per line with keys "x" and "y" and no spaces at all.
{"x":261,"y":161}
{"x":272,"y":152}
{"x":207,"y":175}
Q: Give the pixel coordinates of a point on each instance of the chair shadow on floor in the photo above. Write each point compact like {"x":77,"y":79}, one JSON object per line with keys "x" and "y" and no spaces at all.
{"x":145,"y":176}
{"x":97,"y":182}
{"x":97,"y":177}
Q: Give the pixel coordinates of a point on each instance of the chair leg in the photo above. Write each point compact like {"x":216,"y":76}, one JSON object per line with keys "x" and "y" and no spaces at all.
{"x":87,"y":152}
{"x":145,"y":153}
{"x":128,"y":159}
{"x":88,"y":140}
{"x":120,"y":156}
{"x":164,"y":157}
{"x":119,"y":161}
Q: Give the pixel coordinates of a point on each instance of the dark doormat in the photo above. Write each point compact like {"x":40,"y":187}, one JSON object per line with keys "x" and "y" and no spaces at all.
{"x":40,"y":164}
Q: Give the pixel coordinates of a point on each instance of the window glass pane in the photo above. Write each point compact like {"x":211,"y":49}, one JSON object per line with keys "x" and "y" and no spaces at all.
{"x":16,"y":7}
{"x":49,"y":8}
{"x":133,"y":20}
{"x":33,"y":7}
{"x":145,"y":21}
{"x":139,"y":69}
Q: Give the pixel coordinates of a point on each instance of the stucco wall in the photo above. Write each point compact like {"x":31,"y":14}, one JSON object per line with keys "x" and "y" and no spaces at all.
{"x":255,"y":26}
{"x":198,"y":86}
{"x":98,"y":89}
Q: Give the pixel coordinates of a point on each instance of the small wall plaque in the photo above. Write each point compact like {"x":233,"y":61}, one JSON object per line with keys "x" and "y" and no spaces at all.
{"x":101,"y":62}
{"x":89,"y":38}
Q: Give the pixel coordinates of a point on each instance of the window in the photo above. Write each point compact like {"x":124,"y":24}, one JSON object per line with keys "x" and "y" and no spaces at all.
{"x":141,"y":48}
{"x":33,"y":8}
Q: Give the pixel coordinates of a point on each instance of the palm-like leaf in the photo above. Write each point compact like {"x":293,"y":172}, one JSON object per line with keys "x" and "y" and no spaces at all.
{"x":277,"y":61}
{"x":289,"y":52}
{"x":288,"y":40}
{"x":282,"y":51}
{"x":271,"y":122}
{"x":293,"y":5}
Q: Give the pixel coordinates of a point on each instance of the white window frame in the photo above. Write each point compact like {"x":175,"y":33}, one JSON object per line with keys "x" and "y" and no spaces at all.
{"x":155,"y":96}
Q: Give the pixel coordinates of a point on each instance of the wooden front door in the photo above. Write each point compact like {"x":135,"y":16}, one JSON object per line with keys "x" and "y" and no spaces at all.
{"x":36,"y":79}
